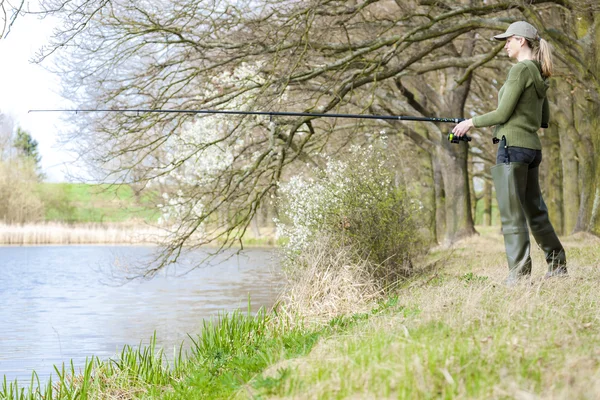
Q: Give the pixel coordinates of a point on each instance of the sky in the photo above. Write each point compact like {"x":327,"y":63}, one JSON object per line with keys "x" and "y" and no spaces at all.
{"x":25,"y":86}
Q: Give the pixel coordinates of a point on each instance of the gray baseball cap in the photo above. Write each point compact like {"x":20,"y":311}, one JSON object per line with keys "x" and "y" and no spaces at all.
{"x":520,"y":28}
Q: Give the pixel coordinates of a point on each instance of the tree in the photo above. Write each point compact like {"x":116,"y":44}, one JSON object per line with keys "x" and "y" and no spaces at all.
{"x":573,"y":29}
{"x":27,"y":147}
{"x":9,"y":11}
{"x":19,"y":202}
{"x":6,"y":131}
{"x":401,"y":57}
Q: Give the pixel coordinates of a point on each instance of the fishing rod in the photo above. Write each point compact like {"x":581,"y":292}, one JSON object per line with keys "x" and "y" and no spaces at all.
{"x":451,"y":137}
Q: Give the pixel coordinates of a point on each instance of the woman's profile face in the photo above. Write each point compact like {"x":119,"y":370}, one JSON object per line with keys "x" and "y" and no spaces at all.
{"x":513,"y":46}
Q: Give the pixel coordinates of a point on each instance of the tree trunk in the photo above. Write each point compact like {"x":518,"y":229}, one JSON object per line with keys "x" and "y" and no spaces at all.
{"x":551,"y":176}
{"x":562,"y":118}
{"x":453,"y":158}
{"x":595,"y":214}
{"x":459,"y":219}
{"x":583,"y":119}
{"x":255,"y":226}
{"x":487,"y":202}
{"x":440,"y":200}
{"x":570,"y":185}
{"x":472,"y":194}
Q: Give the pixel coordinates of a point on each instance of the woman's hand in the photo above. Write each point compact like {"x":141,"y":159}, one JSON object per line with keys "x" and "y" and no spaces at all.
{"x":463,"y":127}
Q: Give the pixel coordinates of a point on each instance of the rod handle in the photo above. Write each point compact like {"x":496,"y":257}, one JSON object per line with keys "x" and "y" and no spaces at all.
{"x":457,"y":139}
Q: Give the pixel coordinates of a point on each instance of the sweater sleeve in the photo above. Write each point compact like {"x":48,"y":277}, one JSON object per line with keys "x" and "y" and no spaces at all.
{"x":545,"y":113}
{"x":512,"y":90}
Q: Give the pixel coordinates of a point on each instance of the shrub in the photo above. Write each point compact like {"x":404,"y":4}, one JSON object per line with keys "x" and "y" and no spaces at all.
{"x":359,"y":210}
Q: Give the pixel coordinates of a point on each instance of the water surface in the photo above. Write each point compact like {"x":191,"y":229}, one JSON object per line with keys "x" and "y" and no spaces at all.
{"x":60,"y":303}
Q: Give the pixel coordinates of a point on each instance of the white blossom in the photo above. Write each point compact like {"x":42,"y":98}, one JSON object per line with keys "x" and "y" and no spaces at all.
{"x":309,"y":200}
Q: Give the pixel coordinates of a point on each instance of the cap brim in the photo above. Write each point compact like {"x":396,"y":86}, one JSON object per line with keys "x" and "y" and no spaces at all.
{"x":503,"y":36}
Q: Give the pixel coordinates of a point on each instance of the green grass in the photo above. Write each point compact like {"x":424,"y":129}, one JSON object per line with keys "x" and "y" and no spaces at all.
{"x":98,"y":378}
{"x":86,"y":203}
{"x":230,"y":352}
{"x":466,"y":336}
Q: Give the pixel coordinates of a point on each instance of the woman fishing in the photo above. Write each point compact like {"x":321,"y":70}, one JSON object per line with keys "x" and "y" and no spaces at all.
{"x":522,"y":109}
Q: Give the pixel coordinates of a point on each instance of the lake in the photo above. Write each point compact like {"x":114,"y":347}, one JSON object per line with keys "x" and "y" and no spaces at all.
{"x":60,"y":303}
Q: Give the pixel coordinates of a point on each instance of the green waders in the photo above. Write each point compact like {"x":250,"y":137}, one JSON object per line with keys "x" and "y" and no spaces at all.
{"x":541,"y":228}
{"x":520,"y":202}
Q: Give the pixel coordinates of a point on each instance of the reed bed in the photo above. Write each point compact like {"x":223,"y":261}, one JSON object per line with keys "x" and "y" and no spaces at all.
{"x":64,"y":234}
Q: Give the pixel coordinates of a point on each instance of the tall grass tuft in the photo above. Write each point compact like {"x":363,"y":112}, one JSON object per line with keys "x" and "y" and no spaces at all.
{"x":236,"y":347}
{"x":69,"y":385}
{"x":144,"y":363}
{"x":136,"y":370}
{"x":324,"y":285}
{"x":229,"y":332}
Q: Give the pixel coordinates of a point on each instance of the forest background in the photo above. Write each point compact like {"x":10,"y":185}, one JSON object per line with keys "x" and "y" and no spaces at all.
{"x":422,"y":58}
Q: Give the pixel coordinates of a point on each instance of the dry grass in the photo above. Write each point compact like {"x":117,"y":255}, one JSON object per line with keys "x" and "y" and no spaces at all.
{"x":457,"y":332}
{"x":62,"y":234}
{"x":323,"y":285}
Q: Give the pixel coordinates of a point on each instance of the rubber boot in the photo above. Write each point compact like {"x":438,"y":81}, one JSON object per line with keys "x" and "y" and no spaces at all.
{"x":510,"y":181}
{"x":541,"y":227}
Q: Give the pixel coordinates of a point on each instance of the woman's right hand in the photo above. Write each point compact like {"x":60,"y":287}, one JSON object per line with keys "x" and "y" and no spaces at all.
{"x":463,"y":127}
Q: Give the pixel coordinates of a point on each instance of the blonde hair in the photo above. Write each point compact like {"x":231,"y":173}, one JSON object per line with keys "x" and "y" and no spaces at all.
{"x":542,"y":53}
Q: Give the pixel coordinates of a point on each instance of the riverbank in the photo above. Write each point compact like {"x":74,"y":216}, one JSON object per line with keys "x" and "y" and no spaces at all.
{"x":457,"y":332}
{"x":451,"y":331}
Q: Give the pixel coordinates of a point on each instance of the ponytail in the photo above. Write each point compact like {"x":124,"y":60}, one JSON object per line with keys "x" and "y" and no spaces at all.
{"x":542,"y":53}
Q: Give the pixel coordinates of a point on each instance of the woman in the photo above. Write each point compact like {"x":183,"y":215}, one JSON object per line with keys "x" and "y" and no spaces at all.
{"x":522,"y":110}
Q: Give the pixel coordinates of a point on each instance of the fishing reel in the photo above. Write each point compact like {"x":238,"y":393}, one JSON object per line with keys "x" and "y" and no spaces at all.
{"x":457,"y":139}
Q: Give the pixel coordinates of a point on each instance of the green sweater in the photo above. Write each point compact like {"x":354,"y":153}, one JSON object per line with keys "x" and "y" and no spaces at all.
{"x":522,"y":107}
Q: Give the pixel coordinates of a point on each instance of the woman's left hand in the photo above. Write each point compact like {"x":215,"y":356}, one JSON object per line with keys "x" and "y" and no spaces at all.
{"x":463,"y":127}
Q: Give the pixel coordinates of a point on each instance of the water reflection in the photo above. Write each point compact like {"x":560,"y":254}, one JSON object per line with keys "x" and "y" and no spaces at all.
{"x":55,"y":304}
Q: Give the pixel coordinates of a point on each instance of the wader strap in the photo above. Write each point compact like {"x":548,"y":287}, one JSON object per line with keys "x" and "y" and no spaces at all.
{"x":505,"y":146}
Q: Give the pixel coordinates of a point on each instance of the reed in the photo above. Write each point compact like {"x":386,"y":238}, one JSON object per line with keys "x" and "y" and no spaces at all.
{"x":53,"y":233}
{"x":64,"y":234}
{"x":323,"y":284}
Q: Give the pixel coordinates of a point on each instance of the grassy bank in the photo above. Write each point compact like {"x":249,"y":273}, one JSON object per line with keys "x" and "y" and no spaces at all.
{"x":102,"y":203}
{"x":457,"y":332}
{"x":78,"y":213}
{"x":452,"y":331}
